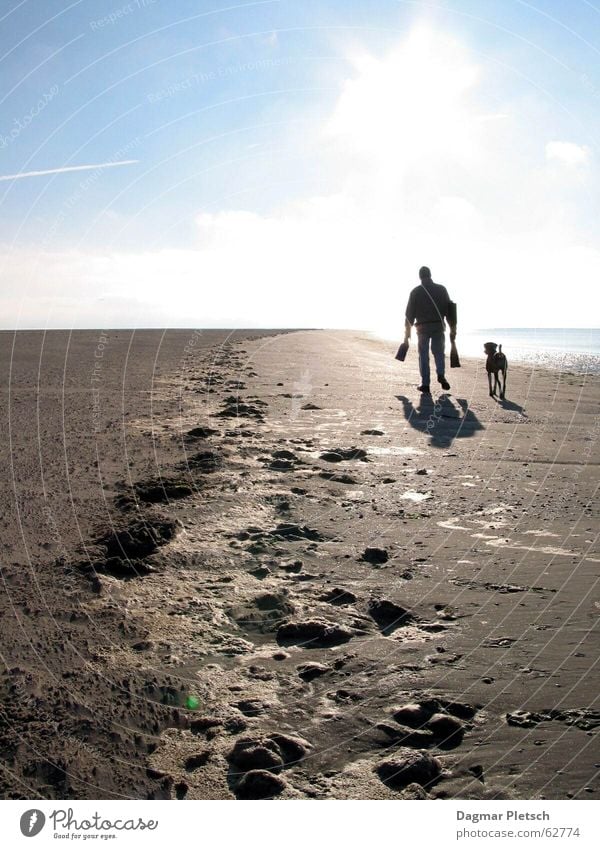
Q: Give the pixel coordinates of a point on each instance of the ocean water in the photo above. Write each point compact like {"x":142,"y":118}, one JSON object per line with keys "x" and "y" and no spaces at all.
{"x":573,"y":349}
{"x":569,"y":349}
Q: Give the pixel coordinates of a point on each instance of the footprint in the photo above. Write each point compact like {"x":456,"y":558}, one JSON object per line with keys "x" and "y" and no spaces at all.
{"x":375,"y":556}
{"x":408,"y":766}
{"x":499,"y":588}
{"x":313,"y":633}
{"x":125,"y":548}
{"x":284,"y":461}
{"x":310,"y":671}
{"x":252,"y":707}
{"x":271,"y":752}
{"x":336,"y":455}
{"x":234,"y":408}
{"x":388,"y":616}
{"x":196,"y":761}
{"x":259,"y":784}
{"x":431,"y":721}
{"x":338,"y":597}
{"x":291,"y":531}
{"x":583,"y":718}
{"x":204,"y":461}
{"x":263,"y":614}
{"x":337,"y":478}
{"x":201,"y":432}
{"x":162,"y":490}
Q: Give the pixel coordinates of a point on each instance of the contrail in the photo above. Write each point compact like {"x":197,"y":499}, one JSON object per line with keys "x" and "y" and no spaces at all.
{"x":67,"y":168}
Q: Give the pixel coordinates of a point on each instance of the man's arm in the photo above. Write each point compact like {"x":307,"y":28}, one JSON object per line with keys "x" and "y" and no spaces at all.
{"x":409,"y":317}
{"x":451,"y":316}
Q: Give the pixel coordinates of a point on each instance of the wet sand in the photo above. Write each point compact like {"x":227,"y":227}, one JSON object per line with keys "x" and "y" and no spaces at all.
{"x":261,"y":565}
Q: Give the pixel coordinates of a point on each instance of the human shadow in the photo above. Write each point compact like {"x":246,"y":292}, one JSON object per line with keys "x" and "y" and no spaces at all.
{"x":440,"y":419}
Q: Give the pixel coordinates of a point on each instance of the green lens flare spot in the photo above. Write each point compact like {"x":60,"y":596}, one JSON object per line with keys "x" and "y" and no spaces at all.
{"x":192,"y":702}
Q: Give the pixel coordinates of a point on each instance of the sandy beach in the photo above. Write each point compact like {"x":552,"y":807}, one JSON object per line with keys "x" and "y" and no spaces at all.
{"x":258,"y":564}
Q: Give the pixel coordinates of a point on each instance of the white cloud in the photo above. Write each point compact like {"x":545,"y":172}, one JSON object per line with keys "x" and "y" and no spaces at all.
{"x":567,"y":153}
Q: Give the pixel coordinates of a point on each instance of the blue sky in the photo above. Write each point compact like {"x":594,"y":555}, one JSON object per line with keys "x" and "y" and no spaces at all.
{"x":297,"y":161}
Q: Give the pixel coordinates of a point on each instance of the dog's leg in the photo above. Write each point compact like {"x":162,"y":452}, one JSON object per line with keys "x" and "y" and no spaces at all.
{"x":490,"y":383}
{"x":503,"y":388}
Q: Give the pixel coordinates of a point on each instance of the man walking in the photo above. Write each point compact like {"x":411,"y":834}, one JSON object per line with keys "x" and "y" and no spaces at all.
{"x":428,"y":306}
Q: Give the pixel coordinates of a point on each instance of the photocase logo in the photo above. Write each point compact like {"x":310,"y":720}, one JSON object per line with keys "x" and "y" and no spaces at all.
{"x":32,"y":822}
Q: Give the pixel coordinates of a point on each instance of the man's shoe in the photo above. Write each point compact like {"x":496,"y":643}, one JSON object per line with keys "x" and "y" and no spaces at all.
{"x":424,"y":388}
{"x":444,"y":382}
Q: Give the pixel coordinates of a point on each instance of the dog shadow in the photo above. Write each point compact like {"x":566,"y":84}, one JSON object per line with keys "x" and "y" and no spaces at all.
{"x":440,"y":419}
{"x":510,"y":405}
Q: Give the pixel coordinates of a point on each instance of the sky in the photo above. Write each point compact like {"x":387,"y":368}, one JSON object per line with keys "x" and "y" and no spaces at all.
{"x":292,"y":163}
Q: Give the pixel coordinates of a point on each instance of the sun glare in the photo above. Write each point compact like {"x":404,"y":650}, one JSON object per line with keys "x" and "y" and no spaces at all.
{"x":413,"y":102}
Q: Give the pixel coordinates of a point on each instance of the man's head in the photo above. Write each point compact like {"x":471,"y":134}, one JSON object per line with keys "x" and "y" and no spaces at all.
{"x":424,"y":274}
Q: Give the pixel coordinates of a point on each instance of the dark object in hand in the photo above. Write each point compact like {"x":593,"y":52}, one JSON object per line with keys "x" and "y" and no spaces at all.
{"x":454,"y":359}
{"x":452,"y":321}
{"x":402,"y":352}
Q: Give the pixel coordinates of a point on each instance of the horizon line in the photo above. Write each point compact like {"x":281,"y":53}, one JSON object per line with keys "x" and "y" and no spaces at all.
{"x":163,"y":327}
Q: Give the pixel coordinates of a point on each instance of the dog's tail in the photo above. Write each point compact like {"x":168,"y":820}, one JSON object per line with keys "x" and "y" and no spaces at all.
{"x":499,"y":349}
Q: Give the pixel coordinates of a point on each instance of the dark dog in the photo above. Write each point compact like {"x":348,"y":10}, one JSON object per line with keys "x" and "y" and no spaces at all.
{"x":497,"y":365}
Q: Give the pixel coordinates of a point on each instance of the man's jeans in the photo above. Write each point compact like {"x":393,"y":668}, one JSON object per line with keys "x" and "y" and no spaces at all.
{"x":438,"y":342}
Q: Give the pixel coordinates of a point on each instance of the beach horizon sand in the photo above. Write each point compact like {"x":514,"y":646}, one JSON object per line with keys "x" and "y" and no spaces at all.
{"x":257,"y":564}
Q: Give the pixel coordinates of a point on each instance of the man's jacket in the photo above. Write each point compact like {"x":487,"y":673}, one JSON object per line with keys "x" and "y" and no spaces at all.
{"x":428,"y":304}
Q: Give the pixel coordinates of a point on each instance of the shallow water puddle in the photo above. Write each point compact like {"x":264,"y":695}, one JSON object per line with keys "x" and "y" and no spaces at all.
{"x":541,"y":533}
{"x":491,"y":525}
{"x":339,"y":414}
{"x":395,"y":450}
{"x":549,"y":549}
{"x":497,"y":542}
{"x":492,"y":510}
{"x":448,"y":523}
{"x":411,"y":495}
